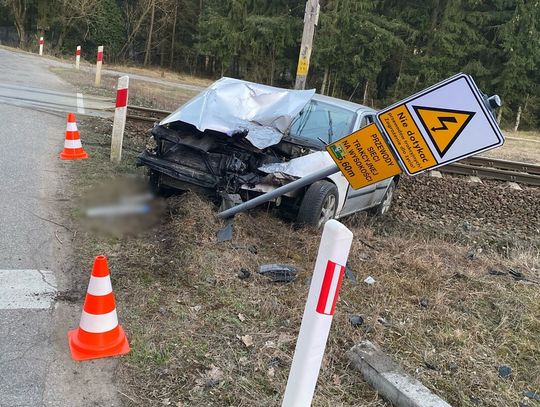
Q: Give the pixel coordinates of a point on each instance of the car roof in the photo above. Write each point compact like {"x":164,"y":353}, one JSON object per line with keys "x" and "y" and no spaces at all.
{"x":342,"y":103}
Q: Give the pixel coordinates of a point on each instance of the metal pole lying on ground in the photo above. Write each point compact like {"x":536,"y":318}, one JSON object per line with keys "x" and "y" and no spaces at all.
{"x":322,"y":297}
{"x":77,"y":57}
{"x":299,"y":183}
{"x":119,"y":123}
{"x":41,"y":42}
{"x":98,"y":65}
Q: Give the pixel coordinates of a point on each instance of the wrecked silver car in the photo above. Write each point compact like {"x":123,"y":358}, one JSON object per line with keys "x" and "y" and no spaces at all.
{"x":239,"y":139}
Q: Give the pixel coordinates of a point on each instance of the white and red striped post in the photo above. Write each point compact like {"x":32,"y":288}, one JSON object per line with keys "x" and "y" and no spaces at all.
{"x":78,"y":57}
{"x":322,"y":297}
{"x":98,"y":65}
{"x":119,"y":123}
{"x":41,"y":42}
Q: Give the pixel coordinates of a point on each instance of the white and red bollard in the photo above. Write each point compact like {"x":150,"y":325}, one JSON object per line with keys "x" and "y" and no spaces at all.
{"x":322,"y":297}
{"x":41,"y":42}
{"x":78,"y":57}
{"x":98,"y":65}
{"x":119,"y":123}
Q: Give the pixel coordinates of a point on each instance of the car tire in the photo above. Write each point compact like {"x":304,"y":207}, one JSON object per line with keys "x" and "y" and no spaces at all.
{"x":383,"y":208}
{"x":319,"y":204}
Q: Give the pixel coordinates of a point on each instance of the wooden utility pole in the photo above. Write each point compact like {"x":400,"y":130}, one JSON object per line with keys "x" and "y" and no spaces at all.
{"x":311,"y":17}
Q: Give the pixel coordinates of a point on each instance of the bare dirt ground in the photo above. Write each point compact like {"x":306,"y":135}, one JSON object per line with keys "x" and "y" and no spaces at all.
{"x":456,"y":297}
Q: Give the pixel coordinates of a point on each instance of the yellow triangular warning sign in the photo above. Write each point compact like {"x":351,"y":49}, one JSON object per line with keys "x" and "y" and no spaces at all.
{"x":443,"y":125}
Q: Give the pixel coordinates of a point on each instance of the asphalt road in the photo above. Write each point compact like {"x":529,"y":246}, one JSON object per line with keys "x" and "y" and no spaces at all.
{"x":35,"y":367}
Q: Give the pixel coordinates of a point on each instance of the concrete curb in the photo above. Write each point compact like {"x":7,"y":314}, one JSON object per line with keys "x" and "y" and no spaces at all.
{"x":389,"y":379}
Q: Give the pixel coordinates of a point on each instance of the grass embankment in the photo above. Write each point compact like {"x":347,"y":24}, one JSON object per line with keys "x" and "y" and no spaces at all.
{"x":444,"y":308}
{"x":141,"y":93}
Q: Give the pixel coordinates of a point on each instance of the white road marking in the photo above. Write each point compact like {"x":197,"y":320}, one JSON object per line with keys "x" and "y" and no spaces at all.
{"x":27,"y":289}
{"x":80,"y":104}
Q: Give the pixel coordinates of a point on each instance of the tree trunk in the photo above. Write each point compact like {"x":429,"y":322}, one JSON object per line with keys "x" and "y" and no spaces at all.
{"x":398,"y":77}
{"x":365,"y":92}
{"x":330,"y":77}
{"x":272,"y":66}
{"x":162,"y":55}
{"x":325,"y":80}
{"x":334,"y":87}
{"x":499,"y":115}
{"x":518,"y":118}
{"x":19,"y":8}
{"x":173,"y":39}
{"x":149,"y":41}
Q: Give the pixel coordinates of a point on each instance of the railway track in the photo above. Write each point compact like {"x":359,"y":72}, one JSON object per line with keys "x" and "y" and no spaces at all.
{"x":483,"y":167}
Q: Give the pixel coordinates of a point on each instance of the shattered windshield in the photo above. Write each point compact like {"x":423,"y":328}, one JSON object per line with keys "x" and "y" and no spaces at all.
{"x":321,"y":121}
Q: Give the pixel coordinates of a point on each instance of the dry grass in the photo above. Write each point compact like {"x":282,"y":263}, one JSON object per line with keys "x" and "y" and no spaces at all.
{"x":185,"y":309}
{"x":519,"y":146}
{"x":141,"y":93}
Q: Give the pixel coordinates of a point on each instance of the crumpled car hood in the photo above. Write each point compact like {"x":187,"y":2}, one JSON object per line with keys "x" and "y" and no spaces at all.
{"x":233,"y":106}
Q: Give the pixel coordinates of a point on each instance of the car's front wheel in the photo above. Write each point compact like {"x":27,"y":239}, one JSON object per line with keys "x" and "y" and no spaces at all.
{"x":319,"y":204}
{"x":383,"y":208}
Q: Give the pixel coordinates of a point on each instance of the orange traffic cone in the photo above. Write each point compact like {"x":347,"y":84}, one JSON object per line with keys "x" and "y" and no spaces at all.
{"x":98,"y":334}
{"x":73,"y":149}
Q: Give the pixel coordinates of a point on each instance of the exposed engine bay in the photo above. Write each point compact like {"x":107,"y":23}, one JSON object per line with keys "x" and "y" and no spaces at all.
{"x":213,"y":160}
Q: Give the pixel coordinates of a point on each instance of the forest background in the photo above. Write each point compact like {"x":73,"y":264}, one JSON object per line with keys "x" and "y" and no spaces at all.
{"x":372,"y":52}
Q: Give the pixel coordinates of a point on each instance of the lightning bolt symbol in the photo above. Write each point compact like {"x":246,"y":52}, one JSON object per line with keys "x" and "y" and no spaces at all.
{"x":443,"y":121}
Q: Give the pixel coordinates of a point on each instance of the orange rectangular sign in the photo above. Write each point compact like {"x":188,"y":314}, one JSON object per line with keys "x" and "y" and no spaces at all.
{"x":407,"y":139}
{"x":363,"y":157}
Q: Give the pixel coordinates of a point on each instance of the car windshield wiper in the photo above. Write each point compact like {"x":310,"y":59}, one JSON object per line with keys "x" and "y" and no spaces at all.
{"x":330,"y":127}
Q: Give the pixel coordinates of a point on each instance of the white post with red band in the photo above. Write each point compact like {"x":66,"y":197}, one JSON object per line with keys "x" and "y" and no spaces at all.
{"x":78,"y":57}
{"x":322,"y":297}
{"x":99,"y":62}
{"x":41,"y":42}
{"x":119,"y":123}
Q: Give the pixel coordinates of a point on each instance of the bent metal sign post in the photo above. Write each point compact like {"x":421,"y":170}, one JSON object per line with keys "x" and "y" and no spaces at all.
{"x":442,"y":124}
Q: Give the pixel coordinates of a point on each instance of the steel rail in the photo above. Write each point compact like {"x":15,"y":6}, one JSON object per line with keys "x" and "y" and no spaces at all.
{"x":148,"y":109}
{"x":492,"y":173}
{"x":502,"y":164}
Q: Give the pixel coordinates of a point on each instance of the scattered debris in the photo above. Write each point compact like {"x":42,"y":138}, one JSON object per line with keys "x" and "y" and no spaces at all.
{"x":435,"y":174}
{"x":424,"y":302}
{"x":369,"y":280}
{"x":356,"y":320}
{"x":505,"y":372}
{"x":226,"y":232}
{"x":367,"y":244}
{"x":531,"y":395}
{"x":244,"y":274}
{"x":276,"y":361}
{"x":247,"y":340}
{"x":241,"y":317}
{"x":278,"y":273}
{"x":250,"y":248}
{"x":494,"y":272}
{"x":430,"y":365}
{"x":476,"y":401}
{"x":349,"y":275}
{"x":467,"y":227}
